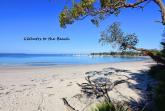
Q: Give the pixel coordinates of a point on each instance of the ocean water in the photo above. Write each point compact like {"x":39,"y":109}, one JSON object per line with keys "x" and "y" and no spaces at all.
{"x":59,"y":59}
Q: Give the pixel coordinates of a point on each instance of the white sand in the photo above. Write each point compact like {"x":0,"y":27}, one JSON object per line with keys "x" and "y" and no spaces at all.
{"x":41,"y":88}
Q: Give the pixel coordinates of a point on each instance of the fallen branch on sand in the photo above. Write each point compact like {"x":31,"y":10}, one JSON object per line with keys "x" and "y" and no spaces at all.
{"x":68,"y":106}
{"x":99,"y":89}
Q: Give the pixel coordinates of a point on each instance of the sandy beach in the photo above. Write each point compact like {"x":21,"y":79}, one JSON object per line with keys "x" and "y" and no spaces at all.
{"x":32,"y":88}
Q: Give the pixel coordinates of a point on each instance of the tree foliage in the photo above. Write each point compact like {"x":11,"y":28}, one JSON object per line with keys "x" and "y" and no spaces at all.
{"x":114,"y":36}
{"x":68,"y":15}
{"x":99,"y":9}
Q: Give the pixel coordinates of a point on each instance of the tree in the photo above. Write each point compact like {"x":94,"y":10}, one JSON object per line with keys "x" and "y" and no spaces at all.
{"x":114,"y":36}
{"x":99,"y":9}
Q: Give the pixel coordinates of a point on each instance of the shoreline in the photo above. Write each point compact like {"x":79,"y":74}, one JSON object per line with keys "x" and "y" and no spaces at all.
{"x":59,"y":64}
{"x":41,"y":88}
{"x":70,"y":65}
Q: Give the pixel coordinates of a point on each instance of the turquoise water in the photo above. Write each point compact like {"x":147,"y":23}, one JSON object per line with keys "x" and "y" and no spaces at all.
{"x":60,"y":59}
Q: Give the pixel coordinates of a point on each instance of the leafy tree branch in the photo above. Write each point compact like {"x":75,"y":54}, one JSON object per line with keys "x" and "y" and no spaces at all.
{"x":99,"y":9}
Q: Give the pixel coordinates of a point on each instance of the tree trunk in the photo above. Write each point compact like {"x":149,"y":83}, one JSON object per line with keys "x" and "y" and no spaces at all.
{"x":162,"y":9}
{"x":156,"y":58}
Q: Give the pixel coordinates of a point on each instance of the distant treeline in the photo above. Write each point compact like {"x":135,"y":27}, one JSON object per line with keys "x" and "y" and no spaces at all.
{"x":126,"y":53}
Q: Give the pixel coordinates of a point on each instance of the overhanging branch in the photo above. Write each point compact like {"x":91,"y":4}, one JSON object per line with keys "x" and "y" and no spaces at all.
{"x":156,"y":58}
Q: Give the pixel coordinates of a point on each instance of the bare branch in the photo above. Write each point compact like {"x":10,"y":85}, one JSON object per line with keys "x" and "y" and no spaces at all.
{"x":99,"y":89}
{"x":68,"y":106}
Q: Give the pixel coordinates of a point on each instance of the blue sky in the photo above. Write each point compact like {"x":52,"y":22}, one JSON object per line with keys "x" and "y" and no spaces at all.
{"x":20,"y":18}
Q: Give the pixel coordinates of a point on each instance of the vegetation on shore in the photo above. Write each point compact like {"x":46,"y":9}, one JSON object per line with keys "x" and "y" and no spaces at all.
{"x":126,"y":53}
{"x":158,"y":73}
{"x":105,"y":106}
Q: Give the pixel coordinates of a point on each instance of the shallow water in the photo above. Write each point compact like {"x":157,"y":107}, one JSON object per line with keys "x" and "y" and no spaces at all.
{"x":60,"y":59}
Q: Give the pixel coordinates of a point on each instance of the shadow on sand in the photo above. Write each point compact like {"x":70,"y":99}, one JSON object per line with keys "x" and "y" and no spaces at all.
{"x":142,"y":84}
